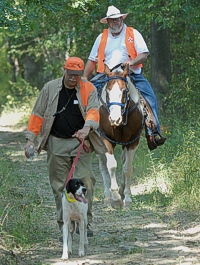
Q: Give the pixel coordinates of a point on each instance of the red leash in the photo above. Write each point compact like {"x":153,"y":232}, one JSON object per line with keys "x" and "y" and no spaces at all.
{"x":86,"y":149}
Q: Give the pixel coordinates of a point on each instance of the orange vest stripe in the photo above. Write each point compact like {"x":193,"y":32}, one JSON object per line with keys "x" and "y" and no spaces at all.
{"x":92,"y":114}
{"x":129,"y":41}
{"x":35,"y":124}
{"x":101,"y":50}
{"x":85,"y":90}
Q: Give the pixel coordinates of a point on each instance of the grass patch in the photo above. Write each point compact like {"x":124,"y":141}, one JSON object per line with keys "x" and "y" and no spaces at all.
{"x":22,"y":216}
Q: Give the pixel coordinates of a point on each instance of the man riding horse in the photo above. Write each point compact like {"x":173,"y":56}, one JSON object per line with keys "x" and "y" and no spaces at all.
{"x":120,"y":44}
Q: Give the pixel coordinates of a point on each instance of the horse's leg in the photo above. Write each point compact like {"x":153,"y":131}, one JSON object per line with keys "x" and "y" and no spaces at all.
{"x":112,"y":165}
{"x":127,"y":170}
{"x":106,"y":177}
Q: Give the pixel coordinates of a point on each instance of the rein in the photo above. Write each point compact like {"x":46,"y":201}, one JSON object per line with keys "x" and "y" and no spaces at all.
{"x":106,"y":79}
{"x":122,"y":143}
{"x":86,"y":149}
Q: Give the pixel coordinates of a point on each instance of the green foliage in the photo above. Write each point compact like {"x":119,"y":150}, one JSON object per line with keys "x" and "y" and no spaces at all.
{"x":185,"y":172}
{"x":5,"y":72}
{"x":188,"y":149}
{"x":46,"y":30}
{"x":20,"y":96}
{"x":169,"y":177}
{"x":183,"y":99}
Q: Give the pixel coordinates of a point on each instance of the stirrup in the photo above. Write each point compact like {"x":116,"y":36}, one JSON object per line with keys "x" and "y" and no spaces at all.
{"x":155,"y":133}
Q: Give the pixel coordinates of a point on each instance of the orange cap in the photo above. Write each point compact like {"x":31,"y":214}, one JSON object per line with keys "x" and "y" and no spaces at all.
{"x":74,"y":66}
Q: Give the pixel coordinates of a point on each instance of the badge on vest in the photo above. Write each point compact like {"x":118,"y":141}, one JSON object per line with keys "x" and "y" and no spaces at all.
{"x":75,"y":101}
{"x":130,"y":39}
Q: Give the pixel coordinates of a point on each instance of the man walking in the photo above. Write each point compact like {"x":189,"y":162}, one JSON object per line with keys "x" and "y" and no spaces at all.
{"x":67,"y":109}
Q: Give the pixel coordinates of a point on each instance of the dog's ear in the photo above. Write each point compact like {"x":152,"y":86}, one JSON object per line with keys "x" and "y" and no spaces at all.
{"x":68,"y":186}
{"x":82,"y":183}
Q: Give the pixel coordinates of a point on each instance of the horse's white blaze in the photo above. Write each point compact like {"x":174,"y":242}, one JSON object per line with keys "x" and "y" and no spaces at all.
{"x":115,"y":95}
{"x":115,"y":115}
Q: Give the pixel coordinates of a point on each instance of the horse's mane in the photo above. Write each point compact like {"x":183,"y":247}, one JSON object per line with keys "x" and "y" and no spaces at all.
{"x":103,"y":93}
{"x":133,"y":91}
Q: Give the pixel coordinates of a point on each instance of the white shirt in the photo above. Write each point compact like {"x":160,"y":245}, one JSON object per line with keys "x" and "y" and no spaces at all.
{"x":115,"y":51}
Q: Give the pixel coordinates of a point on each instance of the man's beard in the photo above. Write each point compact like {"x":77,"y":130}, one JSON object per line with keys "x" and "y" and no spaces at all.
{"x":116,"y":29}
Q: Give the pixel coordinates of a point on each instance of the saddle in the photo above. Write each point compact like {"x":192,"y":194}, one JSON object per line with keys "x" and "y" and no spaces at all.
{"x":155,"y":139}
{"x":148,"y":114}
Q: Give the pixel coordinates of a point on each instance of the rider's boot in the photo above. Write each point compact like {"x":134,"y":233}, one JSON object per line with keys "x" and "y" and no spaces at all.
{"x":155,"y":139}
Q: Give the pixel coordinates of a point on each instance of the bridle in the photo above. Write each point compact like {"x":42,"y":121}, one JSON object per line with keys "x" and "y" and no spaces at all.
{"x":124,"y":106}
{"x":125,"y":94}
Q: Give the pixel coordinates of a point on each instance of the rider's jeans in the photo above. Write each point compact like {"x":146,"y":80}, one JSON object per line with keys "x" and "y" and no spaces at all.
{"x":147,"y":92}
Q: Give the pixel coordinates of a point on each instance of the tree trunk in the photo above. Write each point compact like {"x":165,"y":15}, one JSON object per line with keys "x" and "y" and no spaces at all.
{"x":33,"y":71}
{"x":160,"y":59}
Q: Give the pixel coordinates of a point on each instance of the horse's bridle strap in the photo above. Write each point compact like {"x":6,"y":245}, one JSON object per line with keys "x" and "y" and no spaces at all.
{"x":117,"y":77}
{"x":104,"y":80}
{"x":115,"y":103}
{"x":134,"y":107}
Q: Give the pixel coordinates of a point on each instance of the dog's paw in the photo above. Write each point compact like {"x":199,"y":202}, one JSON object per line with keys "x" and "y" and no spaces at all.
{"x":81,"y":253}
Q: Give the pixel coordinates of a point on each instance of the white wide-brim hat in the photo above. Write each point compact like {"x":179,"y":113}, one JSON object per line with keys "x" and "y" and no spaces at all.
{"x":112,"y":12}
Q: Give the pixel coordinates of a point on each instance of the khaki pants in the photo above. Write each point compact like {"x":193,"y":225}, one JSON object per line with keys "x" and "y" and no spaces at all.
{"x":60,"y":156}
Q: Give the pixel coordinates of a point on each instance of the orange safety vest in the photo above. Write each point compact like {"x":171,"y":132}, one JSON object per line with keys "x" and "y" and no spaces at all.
{"x":129,"y":41}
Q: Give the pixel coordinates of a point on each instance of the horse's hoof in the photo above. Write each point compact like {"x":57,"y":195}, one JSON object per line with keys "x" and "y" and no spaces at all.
{"x":116,"y":196}
{"x":116,"y":200}
{"x":127,"y":204}
{"x":117,"y":204}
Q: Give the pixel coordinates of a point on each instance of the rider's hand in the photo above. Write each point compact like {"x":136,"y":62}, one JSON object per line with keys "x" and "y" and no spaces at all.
{"x":130,"y":63}
{"x":28,"y":144}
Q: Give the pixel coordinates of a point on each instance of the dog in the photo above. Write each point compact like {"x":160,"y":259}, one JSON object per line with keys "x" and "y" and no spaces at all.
{"x":75,"y":207}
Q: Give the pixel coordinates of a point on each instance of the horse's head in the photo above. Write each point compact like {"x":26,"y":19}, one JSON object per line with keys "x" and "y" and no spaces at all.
{"x":117,"y":93}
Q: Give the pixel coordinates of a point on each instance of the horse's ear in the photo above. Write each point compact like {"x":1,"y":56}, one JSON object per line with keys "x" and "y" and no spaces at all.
{"x":126,"y":70}
{"x":107,"y":70}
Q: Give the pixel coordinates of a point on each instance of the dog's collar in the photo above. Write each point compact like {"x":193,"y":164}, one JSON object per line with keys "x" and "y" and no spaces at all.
{"x":68,"y":198}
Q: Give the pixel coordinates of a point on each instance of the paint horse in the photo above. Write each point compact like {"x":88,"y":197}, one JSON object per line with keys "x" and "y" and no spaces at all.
{"x":121,"y":123}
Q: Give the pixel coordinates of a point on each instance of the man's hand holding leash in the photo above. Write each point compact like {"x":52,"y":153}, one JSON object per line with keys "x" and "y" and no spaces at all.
{"x":83,"y":133}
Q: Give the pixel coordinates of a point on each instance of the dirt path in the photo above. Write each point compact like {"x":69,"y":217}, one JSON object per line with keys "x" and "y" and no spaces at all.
{"x":135,"y":236}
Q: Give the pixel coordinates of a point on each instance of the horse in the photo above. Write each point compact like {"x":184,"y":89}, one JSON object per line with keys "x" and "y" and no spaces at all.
{"x":121,"y":123}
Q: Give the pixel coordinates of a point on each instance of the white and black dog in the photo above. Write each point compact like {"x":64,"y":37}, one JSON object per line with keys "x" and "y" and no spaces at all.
{"x":75,"y":208}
